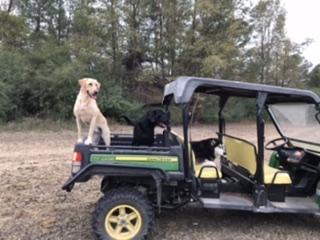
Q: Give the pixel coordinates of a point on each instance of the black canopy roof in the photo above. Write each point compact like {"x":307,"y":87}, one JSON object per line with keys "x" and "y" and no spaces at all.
{"x":182,"y":89}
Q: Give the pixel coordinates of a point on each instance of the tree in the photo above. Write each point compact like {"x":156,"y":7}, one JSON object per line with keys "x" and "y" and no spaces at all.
{"x":13,"y":67}
{"x":10,"y":6}
{"x":267,"y":18}
{"x":56,"y":19}
{"x":273,"y":59}
{"x":134,"y":47}
{"x":6,"y":5}
{"x":108,"y":19}
{"x":217,"y":32}
{"x":13,"y":31}
{"x":314,"y":77}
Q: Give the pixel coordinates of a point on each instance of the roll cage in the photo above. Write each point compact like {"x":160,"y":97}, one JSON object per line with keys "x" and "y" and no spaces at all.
{"x":181,"y":90}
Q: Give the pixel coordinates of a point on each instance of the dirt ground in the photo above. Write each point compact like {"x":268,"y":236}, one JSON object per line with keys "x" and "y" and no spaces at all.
{"x":34,"y":166}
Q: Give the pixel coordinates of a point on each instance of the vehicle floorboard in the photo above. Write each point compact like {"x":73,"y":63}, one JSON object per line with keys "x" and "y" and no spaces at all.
{"x":229,"y":201}
{"x":297,"y":204}
{"x":236,"y":201}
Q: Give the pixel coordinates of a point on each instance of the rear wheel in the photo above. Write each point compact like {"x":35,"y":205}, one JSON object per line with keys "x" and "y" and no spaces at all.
{"x":123,"y":213}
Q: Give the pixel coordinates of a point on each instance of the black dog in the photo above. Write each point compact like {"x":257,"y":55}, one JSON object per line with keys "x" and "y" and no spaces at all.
{"x":205,"y":149}
{"x":143,"y":132}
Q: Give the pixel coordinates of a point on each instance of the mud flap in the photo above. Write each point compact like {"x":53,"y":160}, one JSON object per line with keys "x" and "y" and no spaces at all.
{"x":159,"y":192}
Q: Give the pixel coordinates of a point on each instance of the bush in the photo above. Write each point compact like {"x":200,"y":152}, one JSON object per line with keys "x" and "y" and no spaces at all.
{"x":114,"y":104}
{"x":4,"y":103}
{"x":238,"y":110}
{"x":11,"y":76}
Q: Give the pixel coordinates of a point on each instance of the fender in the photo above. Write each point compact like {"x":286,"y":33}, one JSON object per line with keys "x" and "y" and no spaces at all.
{"x":114,"y":170}
{"x":84,"y":174}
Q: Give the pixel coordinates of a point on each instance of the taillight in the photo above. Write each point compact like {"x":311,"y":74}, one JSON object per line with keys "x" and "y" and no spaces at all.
{"x":77,"y":157}
{"x":76,"y":162}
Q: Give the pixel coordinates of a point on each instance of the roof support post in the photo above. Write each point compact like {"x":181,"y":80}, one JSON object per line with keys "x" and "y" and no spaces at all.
{"x":188,"y":164}
{"x":260,"y":103}
{"x":222,"y":102}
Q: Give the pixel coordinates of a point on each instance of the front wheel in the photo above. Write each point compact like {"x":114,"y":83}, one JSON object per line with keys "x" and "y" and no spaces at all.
{"x":123,"y":213}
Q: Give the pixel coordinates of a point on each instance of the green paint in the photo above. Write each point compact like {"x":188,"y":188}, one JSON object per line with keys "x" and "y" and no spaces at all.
{"x":168,"y":163}
{"x":274,"y":162}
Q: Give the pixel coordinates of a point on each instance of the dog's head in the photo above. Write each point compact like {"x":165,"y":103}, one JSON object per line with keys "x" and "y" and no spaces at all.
{"x":90,"y":86}
{"x":158,"y":117}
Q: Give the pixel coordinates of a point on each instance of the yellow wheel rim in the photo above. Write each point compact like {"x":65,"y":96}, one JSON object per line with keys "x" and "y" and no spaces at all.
{"x":123,"y":222}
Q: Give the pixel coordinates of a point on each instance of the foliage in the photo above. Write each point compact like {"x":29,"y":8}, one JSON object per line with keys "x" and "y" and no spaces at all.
{"x":112,"y":103}
{"x":4,"y":102}
{"x":12,"y":75}
{"x":13,"y":31}
{"x":236,"y":110}
{"x":274,"y":58}
{"x":134,"y":47}
{"x":314,"y":77}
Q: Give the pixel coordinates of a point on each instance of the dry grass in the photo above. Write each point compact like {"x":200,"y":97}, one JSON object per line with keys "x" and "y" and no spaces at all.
{"x":35,"y":164}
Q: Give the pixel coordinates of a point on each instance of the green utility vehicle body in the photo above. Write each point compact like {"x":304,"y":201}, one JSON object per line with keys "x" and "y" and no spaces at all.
{"x":167,"y":175}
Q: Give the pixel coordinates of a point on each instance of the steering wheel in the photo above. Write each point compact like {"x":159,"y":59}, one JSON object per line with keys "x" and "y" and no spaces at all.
{"x":278,"y":143}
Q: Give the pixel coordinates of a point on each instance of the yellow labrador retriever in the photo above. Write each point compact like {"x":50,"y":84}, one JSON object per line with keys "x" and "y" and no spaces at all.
{"x":86,"y":111}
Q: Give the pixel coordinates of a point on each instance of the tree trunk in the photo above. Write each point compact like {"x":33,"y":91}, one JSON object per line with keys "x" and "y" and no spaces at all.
{"x":10,"y":6}
{"x":113,"y":38}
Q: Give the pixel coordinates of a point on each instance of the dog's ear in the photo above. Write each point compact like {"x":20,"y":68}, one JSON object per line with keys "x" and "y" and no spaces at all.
{"x":99,"y":85}
{"x":82,"y":82}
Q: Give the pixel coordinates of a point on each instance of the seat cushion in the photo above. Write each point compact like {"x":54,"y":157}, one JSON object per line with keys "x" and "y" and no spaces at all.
{"x":280,"y":177}
{"x":208,"y":170}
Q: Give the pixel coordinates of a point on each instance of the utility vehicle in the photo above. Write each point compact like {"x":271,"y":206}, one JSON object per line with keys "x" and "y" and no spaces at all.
{"x":139,"y":181}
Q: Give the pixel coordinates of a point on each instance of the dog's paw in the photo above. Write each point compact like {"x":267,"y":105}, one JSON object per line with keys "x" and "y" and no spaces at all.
{"x":88,"y":141}
{"x":79,"y":140}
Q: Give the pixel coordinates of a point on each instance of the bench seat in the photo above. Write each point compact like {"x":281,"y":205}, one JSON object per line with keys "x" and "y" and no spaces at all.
{"x":275,"y":175}
{"x":207,"y":171}
{"x":244,"y":154}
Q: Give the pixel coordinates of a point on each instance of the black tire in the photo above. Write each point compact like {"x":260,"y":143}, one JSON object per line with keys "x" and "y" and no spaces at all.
{"x":124,"y":210}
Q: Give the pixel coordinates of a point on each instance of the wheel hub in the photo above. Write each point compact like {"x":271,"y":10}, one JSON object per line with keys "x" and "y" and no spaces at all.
{"x":123,"y":222}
